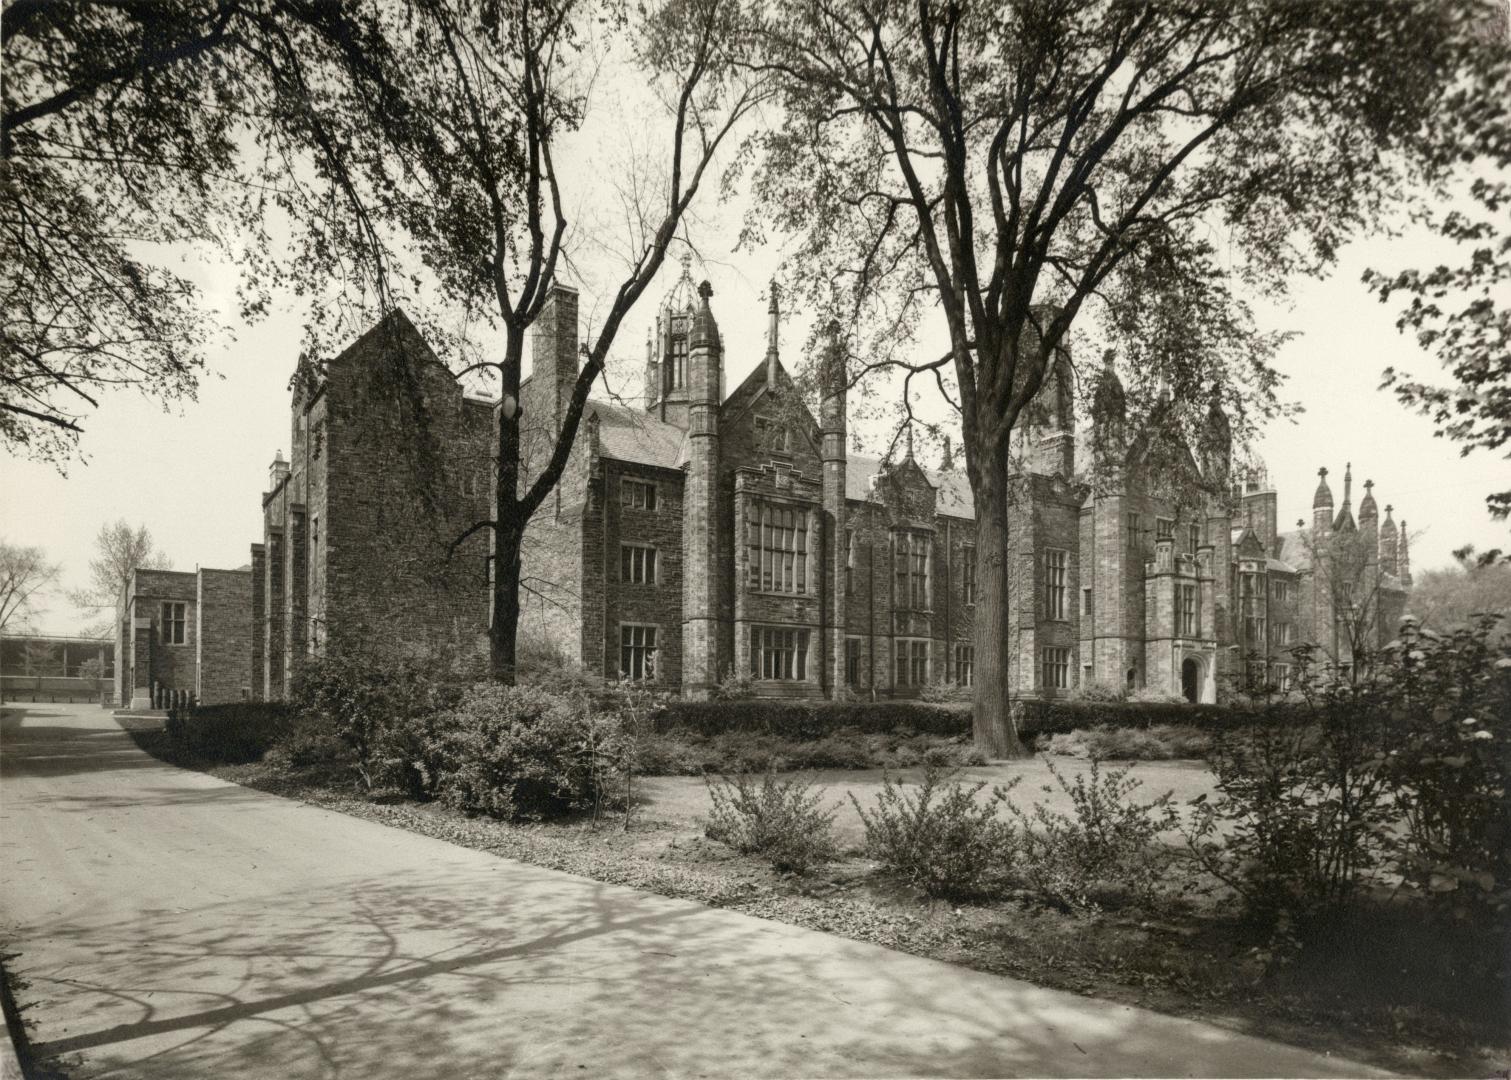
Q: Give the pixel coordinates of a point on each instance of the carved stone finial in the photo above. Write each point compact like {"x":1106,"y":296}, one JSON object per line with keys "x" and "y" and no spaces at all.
{"x":705,"y":290}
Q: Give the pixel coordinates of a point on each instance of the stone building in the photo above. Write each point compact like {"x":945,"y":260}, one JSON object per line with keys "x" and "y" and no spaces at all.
{"x":180,"y":633}
{"x":703,"y":534}
{"x":389,"y":462}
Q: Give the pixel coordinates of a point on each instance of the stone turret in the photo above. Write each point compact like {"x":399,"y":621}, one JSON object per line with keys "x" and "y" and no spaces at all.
{"x":1369,"y":529}
{"x":1322,"y":506}
{"x":700,"y":507}
{"x":834,"y":386}
{"x":1403,"y":556}
{"x":667,"y":366}
{"x":1344,"y":522}
{"x":1261,"y":509}
{"x":1388,"y":537}
{"x":1109,"y":423}
{"x":1217,"y":448}
{"x":277,"y":471}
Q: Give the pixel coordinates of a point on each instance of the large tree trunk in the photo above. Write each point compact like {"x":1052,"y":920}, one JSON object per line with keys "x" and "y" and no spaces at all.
{"x":503,"y":630}
{"x":994,"y":730}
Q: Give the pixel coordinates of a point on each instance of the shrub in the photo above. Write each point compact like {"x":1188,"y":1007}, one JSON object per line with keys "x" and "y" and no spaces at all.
{"x":1099,"y":691}
{"x":799,"y":720}
{"x":734,"y":686}
{"x":1449,"y":765}
{"x":942,"y":691}
{"x":522,"y":752}
{"x":1148,"y":695}
{"x":782,"y":820}
{"x":1105,"y":848}
{"x":378,"y":707}
{"x":308,"y":741}
{"x":1158,"y":743}
{"x":955,"y":847}
{"x":235,"y":733}
{"x":1046,"y":717}
{"x":1301,"y":816}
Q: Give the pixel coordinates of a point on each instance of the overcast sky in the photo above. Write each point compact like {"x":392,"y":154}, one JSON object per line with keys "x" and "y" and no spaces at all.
{"x":193,"y":474}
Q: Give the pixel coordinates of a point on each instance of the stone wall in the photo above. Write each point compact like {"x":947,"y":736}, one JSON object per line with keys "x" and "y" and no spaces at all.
{"x":224,"y":639}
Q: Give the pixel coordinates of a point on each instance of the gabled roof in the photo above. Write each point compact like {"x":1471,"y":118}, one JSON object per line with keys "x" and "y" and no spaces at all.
{"x":629,"y":434}
{"x":953,"y":487}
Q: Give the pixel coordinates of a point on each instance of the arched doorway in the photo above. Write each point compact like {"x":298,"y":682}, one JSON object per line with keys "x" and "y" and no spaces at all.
{"x":1190,"y":680}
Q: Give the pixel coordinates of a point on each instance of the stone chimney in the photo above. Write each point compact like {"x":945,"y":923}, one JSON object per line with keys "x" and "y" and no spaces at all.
{"x":278,"y":471}
{"x":553,"y":352}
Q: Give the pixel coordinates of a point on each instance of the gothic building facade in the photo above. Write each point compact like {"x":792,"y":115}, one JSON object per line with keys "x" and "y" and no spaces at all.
{"x":703,"y":534}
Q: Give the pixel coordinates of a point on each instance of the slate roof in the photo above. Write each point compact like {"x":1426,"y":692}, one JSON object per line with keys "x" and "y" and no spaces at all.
{"x":630,"y":434}
{"x":953,"y":486}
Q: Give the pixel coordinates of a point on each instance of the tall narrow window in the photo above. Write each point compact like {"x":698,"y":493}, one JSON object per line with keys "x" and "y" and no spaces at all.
{"x":1056,"y":668}
{"x":1164,"y":528}
{"x":911,"y":560}
{"x":174,"y":623}
{"x":849,"y":562}
{"x":968,"y":573}
{"x":637,"y":564}
{"x":1193,"y":534}
{"x":777,"y":652}
{"x":965,"y":665}
{"x":852,"y":661}
{"x":776,"y":538}
{"x":1055,"y":563}
{"x":912,"y":662}
{"x":637,"y":652}
{"x":679,"y":353}
{"x":1085,"y":601}
{"x":1135,"y":533}
{"x":1186,"y":611}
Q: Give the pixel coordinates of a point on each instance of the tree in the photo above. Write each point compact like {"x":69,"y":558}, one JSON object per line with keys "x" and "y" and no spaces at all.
{"x":1459,"y":310}
{"x":1004,"y":166}
{"x":1450,"y":597}
{"x":24,"y":573}
{"x":121,"y":134}
{"x":43,"y":660}
{"x":457,"y":172}
{"x":121,"y":551}
{"x":1366,"y":602}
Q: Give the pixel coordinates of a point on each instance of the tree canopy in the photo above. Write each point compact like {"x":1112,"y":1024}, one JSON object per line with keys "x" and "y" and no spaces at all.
{"x":1015,"y":169}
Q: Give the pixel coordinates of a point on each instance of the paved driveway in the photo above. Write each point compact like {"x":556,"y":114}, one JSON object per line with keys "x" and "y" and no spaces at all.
{"x":172,"y":925}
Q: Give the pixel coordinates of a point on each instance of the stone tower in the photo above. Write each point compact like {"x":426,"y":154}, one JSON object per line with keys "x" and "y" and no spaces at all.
{"x":834,"y":384}
{"x":700,"y":507}
{"x":668,"y":378}
{"x":1388,"y":543}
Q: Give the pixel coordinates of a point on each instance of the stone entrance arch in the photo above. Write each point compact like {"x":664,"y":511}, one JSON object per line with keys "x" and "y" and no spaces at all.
{"x":1190,"y":679}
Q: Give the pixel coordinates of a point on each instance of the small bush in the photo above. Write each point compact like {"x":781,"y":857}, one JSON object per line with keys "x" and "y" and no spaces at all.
{"x":956,"y":847}
{"x":309,"y":742}
{"x":782,"y":820}
{"x":734,"y":686}
{"x":520,"y":752}
{"x":1099,"y":691}
{"x":1161,"y":742}
{"x":944,"y":691}
{"x":232,"y":734}
{"x":375,"y":705}
{"x":1106,"y":848}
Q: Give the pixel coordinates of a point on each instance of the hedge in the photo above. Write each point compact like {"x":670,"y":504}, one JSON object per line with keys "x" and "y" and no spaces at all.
{"x":815,"y":720}
{"x":1038,"y":717}
{"x":234,"y":734}
{"x":811,"y":720}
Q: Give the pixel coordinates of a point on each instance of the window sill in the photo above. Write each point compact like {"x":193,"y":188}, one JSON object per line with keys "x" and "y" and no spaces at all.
{"x":782,"y":595}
